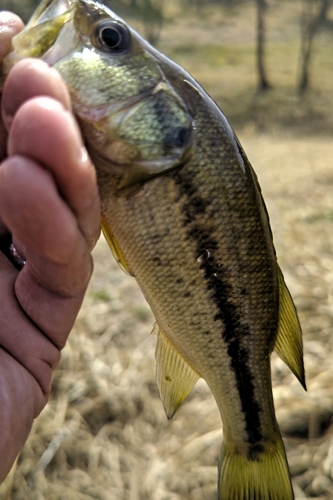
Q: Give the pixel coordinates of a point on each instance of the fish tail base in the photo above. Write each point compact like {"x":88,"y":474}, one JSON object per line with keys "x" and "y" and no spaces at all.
{"x":261,"y":474}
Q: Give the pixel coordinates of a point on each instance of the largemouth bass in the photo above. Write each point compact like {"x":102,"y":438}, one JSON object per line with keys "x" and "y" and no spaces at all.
{"x":183,"y":212}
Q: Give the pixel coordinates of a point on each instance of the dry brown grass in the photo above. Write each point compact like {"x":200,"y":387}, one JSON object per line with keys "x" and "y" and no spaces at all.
{"x":104,"y":434}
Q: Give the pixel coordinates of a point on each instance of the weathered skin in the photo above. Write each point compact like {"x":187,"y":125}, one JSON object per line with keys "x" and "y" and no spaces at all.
{"x":183,"y":204}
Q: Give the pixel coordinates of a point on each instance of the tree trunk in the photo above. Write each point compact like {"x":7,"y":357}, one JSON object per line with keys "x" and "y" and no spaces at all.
{"x":310,"y":23}
{"x":153,"y":11}
{"x":263,"y":83}
{"x":306,"y":52}
{"x":325,"y":6}
{"x":308,"y":30}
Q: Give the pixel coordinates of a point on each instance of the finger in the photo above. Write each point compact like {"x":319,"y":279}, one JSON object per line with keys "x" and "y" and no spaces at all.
{"x":51,"y":286}
{"x":45,"y":132}
{"x":20,"y":337}
{"x":22,"y":400}
{"x":30,"y":78}
{"x":35,"y":213}
{"x":10,"y":25}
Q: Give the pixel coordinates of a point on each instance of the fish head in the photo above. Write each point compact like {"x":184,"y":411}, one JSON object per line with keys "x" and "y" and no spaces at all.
{"x":136,"y":125}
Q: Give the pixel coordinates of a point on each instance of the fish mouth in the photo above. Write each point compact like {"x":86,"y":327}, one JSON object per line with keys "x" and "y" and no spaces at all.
{"x":49,"y":9}
{"x":41,"y":33}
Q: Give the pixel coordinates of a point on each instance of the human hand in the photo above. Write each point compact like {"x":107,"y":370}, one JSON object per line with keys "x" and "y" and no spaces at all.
{"x":49,"y":205}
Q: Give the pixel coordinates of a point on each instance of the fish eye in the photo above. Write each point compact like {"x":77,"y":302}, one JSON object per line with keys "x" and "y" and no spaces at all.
{"x":112,"y":36}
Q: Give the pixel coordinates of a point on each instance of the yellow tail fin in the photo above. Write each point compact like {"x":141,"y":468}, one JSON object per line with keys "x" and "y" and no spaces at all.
{"x":264,"y":476}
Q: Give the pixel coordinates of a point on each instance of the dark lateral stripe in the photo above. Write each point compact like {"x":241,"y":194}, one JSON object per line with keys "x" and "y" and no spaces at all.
{"x":220,"y":289}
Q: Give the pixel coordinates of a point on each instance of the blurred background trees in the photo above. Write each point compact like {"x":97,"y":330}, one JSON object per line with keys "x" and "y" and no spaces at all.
{"x":314,"y":17}
{"x":104,"y":431}
{"x":259,"y":59}
{"x":22,"y":7}
{"x":263,"y":83}
{"x":151,"y":16}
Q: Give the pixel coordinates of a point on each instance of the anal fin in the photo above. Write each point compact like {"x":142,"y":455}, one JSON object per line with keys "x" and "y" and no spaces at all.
{"x":175,"y":377}
{"x":288,"y":344}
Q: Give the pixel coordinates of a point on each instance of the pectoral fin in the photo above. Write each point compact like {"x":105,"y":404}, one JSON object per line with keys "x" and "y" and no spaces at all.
{"x":175,"y":377}
{"x":115,"y":248}
{"x":288,"y":344}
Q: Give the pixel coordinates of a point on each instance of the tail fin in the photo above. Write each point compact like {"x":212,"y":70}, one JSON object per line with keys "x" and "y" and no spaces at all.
{"x":263,"y":476}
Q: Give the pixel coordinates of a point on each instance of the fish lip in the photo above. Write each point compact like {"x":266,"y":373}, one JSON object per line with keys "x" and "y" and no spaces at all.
{"x":57,"y":6}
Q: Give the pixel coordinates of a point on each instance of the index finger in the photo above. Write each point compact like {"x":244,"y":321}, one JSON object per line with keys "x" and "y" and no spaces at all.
{"x":51,"y":286}
{"x":49,"y":201}
{"x":10,"y":25}
{"x":61,"y":149}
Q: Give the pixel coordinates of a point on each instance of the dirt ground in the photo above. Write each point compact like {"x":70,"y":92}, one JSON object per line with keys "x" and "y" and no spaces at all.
{"x":104,"y":434}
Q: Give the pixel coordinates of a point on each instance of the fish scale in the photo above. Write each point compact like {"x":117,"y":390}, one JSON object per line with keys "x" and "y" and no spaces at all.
{"x":136,"y":221}
{"x":221,"y":324}
{"x":183,"y":212}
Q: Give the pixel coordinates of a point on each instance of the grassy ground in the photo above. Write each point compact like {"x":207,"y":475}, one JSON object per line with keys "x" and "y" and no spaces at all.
{"x":104,"y":434}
